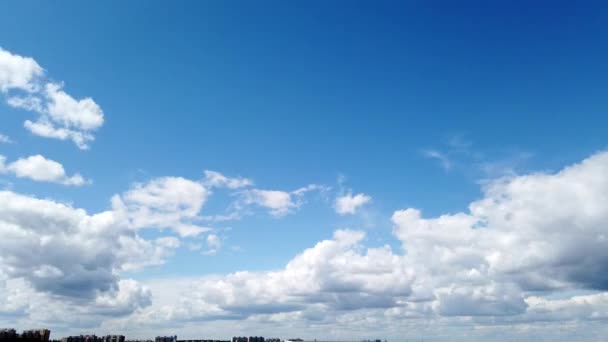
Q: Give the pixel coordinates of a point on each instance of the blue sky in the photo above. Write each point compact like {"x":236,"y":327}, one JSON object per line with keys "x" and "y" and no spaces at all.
{"x":425,"y":105}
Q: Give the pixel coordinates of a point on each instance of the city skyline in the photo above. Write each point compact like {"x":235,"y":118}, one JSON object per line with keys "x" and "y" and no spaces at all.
{"x":333,"y":170}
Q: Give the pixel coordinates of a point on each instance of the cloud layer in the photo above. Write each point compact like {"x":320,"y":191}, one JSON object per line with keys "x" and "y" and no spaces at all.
{"x":528,"y":239}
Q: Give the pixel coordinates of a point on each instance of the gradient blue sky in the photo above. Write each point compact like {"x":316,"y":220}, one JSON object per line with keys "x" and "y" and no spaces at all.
{"x":416,"y":104}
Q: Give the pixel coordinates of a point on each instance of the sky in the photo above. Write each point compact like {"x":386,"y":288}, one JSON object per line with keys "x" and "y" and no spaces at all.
{"x":337,"y":170}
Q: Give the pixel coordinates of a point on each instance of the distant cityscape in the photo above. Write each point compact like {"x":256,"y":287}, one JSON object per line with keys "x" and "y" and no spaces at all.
{"x":44,"y":335}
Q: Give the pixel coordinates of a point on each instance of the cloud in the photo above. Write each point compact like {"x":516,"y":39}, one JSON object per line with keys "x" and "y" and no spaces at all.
{"x":336,"y":274}
{"x":165,"y":202}
{"x":279,"y":203}
{"x":579,"y":307}
{"x":522,"y":253}
{"x":528,"y":240}
{"x":540,"y":232}
{"x":18,"y":72}
{"x":216,"y":179}
{"x":60,"y":254}
{"x":443,"y":160}
{"x":61,"y":116}
{"x":4,"y":139}
{"x":349,"y":204}
{"x":215,"y":243}
{"x":40,"y":169}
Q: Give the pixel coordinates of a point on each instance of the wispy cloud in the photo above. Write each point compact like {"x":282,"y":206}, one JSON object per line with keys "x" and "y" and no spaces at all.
{"x":459,"y":153}
{"x":442,"y":159}
{"x":214,"y":179}
{"x":4,"y":139}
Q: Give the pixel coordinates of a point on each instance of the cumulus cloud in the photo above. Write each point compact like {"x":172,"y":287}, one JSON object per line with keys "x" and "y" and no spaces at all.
{"x":336,"y":274}
{"x":57,"y":253}
{"x":521,"y":253}
{"x":166,"y":202}
{"x":216,"y":179}
{"x":348,"y":204}
{"x":528,"y":240}
{"x":538,"y":232}
{"x":60,"y":116}
{"x":18,"y":72}
{"x":41,"y":169}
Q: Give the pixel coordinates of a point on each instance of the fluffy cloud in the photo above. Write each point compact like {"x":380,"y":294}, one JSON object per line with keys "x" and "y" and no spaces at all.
{"x":336,"y":274}
{"x":56,"y":253}
{"x":348,"y":204}
{"x":279,"y":203}
{"x":40,"y":169}
{"x":528,"y":239}
{"x":61,"y":116}
{"x":166,"y":202}
{"x":538,"y":232}
{"x":524,"y":252}
{"x":216,"y":179}
{"x":17,"y":72}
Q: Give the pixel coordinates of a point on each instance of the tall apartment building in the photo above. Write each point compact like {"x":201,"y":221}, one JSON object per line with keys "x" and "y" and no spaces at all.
{"x":41,"y":335}
{"x":35,"y":335}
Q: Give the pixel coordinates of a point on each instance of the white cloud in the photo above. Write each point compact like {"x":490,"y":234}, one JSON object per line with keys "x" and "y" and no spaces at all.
{"x":40,"y":169}
{"x":539,"y":232}
{"x":4,"y":139}
{"x":60,"y":254}
{"x":336,"y":274}
{"x":215,"y":243}
{"x":60,"y":115}
{"x":279,"y":203}
{"x":166,"y":202}
{"x":522,"y":253}
{"x":443,"y":160}
{"x":18,"y":72}
{"x":349,"y":204}
{"x":216,"y":179}
{"x":580,"y":307}
{"x":528,"y":240}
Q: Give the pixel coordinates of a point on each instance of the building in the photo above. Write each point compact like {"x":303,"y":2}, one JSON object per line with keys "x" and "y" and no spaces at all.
{"x":8,"y":334}
{"x":82,"y":338}
{"x":41,"y":335}
{"x":248,"y":339}
{"x":273,"y":340}
{"x":113,"y":338}
{"x":166,"y":339}
{"x":202,"y":341}
{"x":34,"y":335}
